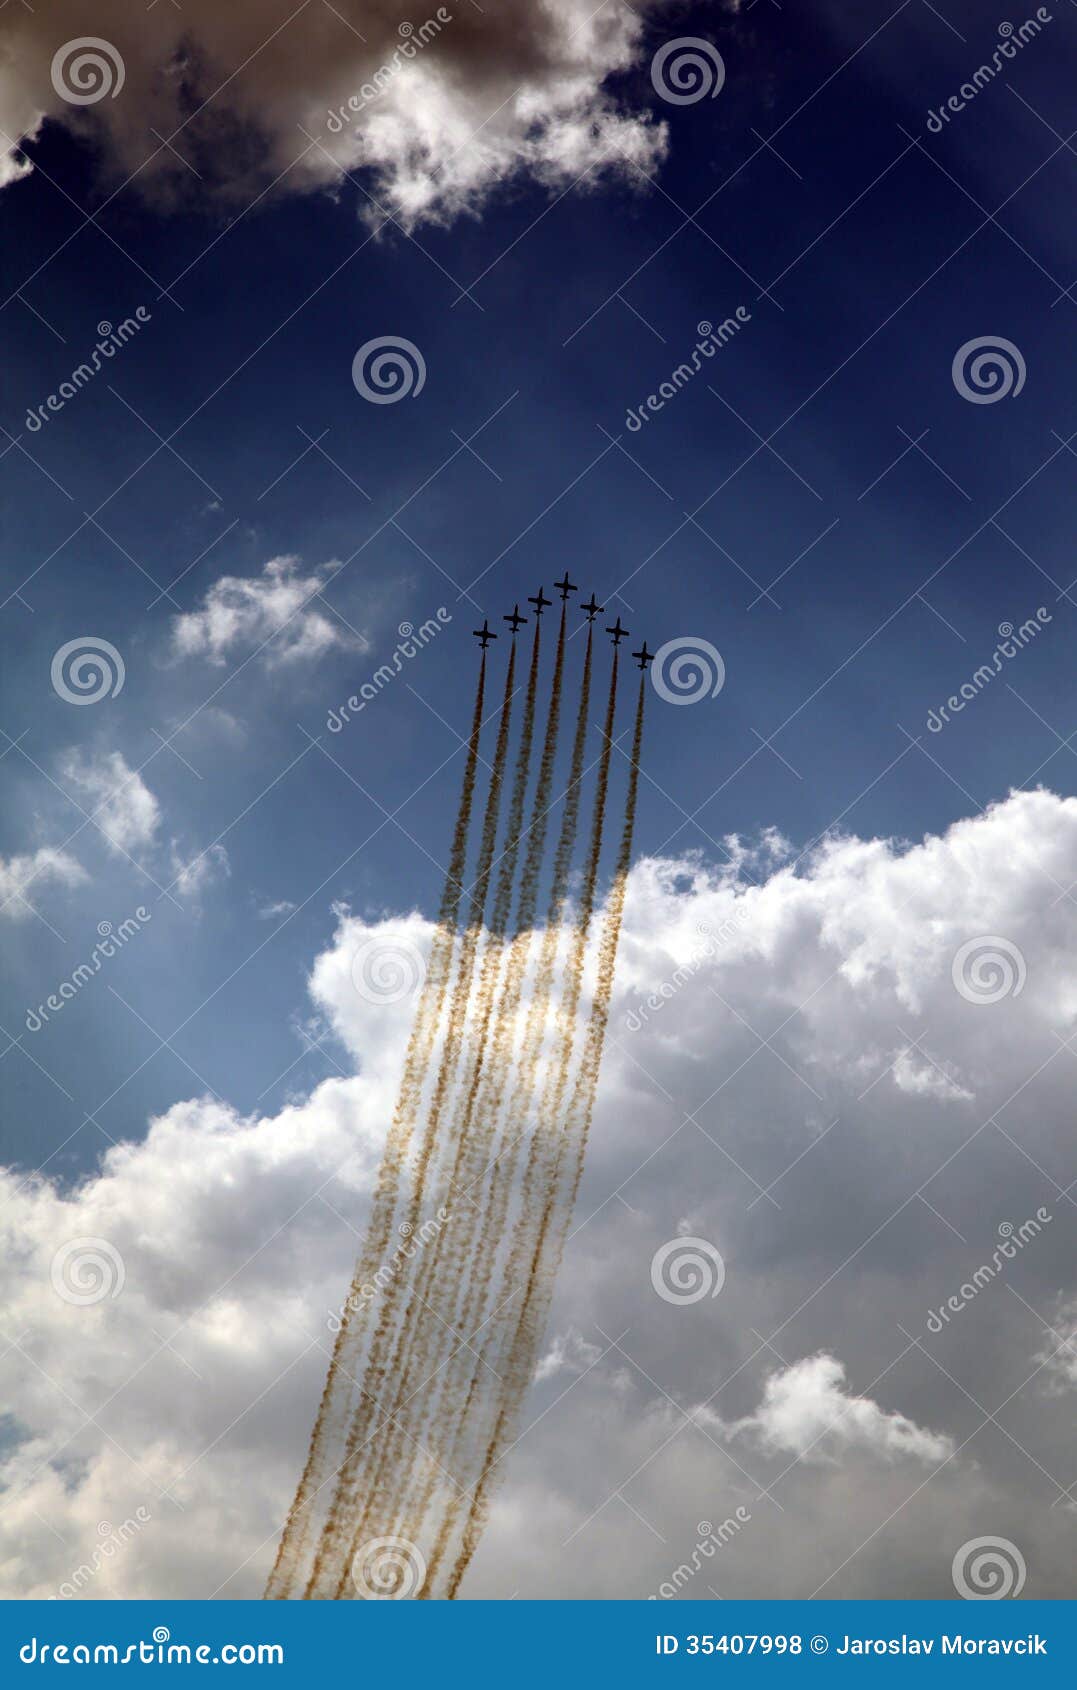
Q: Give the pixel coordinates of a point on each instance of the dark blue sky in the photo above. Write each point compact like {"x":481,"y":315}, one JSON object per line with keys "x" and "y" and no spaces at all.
{"x":776,"y":508}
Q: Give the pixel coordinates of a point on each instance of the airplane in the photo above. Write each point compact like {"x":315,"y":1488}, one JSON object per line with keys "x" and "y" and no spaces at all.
{"x":644,"y":656}
{"x":516,"y":619}
{"x":540,"y":603}
{"x":565,"y":587}
{"x":618,"y":632}
{"x":485,"y":633}
{"x":592,"y":609}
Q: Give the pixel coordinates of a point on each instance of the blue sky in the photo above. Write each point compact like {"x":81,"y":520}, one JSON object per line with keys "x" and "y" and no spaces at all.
{"x":578,"y":306}
{"x":820,"y":503}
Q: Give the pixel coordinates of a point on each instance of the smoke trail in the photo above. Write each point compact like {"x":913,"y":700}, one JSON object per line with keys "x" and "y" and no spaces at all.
{"x":544,"y":1142}
{"x":499,"y":918}
{"x":471,"y":1410}
{"x":477,"y":1154}
{"x":376,"y":1500}
{"x":336,"y":1394}
{"x":342,"y":1506}
{"x":564,"y":1187}
{"x":428,"y":1327}
{"x":486,"y":1299}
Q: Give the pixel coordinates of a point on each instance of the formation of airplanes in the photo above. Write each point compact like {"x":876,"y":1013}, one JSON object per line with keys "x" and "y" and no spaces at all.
{"x":590,"y":607}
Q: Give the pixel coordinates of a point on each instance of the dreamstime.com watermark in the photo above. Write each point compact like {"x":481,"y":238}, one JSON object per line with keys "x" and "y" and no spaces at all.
{"x":1011,"y":641}
{"x":988,"y":368}
{"x":388,"y":1569}
{"x":86,"y":70}
{"x":85,"y":1271}
{"x":687,"y":70}
{"x":1010,"y":43}
{"x":987,"y":968}
{"x":988,"y":1569}
{"x":87,"y":669}
{"x":157,"y":1650}
{"x":387,"y":969}
{"x":711,"y":1540}
{"x":687,"y":670}
{"x":107,"y":347}
{"x":1013,"y":1241}
{"x":387,"y":369}
{"x":111,"y":939}
{"x":414,"y":1240}
{"x":113,"y":1540}
{"x":412,"y":641}
{"x":687,"y":1270}
{"x":711,"y":341}
{"x":715,"y":940}
{"x":412,"y":43}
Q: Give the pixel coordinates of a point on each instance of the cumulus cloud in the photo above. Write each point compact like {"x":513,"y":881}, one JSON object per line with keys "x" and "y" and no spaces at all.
{"x":194,"y":1321}
{"x":806,"y":1411}
{"x":278,"y":613}
{"x":434,"y":110}
{"x":121,"y":803}
{"x":19,"y":876}
{"x":756,"y":1106}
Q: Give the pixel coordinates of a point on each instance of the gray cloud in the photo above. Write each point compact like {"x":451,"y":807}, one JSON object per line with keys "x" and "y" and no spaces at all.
{"x":760,"y":1107}
{"x":435,"y":106}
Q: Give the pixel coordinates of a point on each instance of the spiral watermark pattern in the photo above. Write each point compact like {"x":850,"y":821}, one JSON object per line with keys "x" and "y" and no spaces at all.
{"x":688,"y":669}
{"x":987,"y":369}
{"x":988,"y":968}
{"x":988,"y":1569}
{"x":686,"y":1270}
{"x":87,"y":70}
{"x":87,"y":1270}
{"x":687,"y":70}
{"x":386,"y":971}
{"x":86,"y":670}
{"x":388,"y":1569}
{"x":388,"y":368}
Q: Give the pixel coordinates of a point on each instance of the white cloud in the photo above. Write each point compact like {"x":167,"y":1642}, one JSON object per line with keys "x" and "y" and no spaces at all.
{"x":193,"y":875}
{"x":213,"y":724}
{"x":279,"y":610}
{"x":237,"y":1238}
{"x":275,"y":909}
{"x":117,"y":797}
{"x":1059,"y":1352}
{"x":921,"y":1076}
{"x":570,"y":1352}
{"x":806,"y":1411}
{"x":459,"y":106}
{"x":20,"y":875}
{"x":229,"y":1254}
